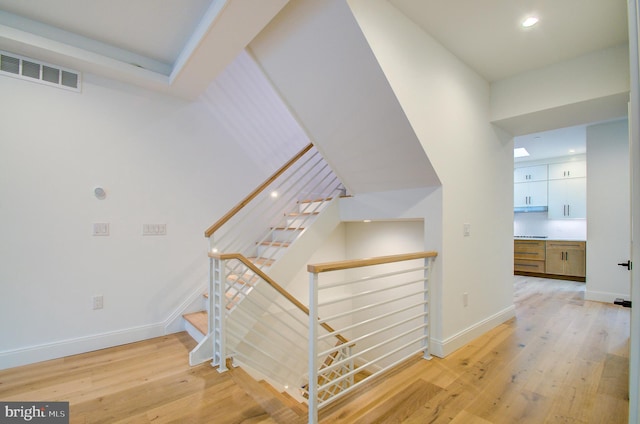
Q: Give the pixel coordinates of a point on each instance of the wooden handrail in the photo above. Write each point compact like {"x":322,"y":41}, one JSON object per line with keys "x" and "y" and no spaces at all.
{"x":212,"y":229}
{"x":357,"y":263}
{"x":272,"y":283}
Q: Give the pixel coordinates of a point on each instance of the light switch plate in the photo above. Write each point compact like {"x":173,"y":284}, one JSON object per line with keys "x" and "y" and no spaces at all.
{"x":154,"y":229}
{"x":101,"y":229}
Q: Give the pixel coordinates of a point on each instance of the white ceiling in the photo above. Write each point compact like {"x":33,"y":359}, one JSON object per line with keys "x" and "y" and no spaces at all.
{"x":487,"y":35}
{"x":180,"y":46}
{"x":484,"y":34}
{"x":551,"y":144}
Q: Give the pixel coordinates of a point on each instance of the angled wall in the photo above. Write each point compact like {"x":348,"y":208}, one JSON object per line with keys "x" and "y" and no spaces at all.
{"x":448,"y":106}
{"x":317,"y":58}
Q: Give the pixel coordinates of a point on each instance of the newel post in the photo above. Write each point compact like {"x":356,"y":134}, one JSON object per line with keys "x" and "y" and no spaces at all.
{"x":217,"y":312}
{"x":313,"y":348}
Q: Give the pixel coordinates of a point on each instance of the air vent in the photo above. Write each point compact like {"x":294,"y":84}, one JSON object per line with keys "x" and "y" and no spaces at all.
{"x":32,"y":70}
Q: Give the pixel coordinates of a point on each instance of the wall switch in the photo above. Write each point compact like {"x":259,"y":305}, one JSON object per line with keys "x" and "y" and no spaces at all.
{"x":466,"y":229}
{"x":465,"y":299}
{"x":98,"y":302}
{"x":101,"y":229}
{"x":154,"y":229}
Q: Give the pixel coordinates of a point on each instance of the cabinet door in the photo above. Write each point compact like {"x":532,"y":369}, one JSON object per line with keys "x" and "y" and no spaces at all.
{"x":568,"y":198}
{"x":575,"y":262}
{"x":538,"y":193}
{"x":530,"y":194}
{"x":554,"y":263}
{"x":558,"y":171}
{"x":576,"y":198}
{"x":530,"y":173}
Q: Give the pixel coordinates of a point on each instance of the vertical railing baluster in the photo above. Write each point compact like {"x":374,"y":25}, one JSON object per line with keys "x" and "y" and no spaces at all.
{"x":313,"y":348}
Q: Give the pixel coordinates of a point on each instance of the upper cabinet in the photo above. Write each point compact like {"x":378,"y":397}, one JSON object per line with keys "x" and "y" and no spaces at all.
{"x":558,"y":188}
{"x":568,"y":198}
{"x":530,"y":173}
{"x":560,"y":171}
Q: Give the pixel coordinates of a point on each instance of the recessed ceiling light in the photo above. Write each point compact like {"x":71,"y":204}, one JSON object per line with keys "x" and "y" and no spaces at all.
{"x":529,"y":22}
{"x":520,"y":152}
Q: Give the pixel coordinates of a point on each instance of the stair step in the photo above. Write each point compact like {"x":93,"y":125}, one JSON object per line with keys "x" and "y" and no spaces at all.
{"x":275,"y":243}
{"x":200,"y":320}
{"x":261,"y":261}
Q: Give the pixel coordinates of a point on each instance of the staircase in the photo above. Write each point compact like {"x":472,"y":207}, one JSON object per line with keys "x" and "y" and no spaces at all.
{"x":272,"y":247}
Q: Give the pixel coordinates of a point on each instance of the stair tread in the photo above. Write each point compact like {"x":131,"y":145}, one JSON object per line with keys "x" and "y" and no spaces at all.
{"x":302,"y":213}
{"x":275,"y":243}
{"x":200,"y":320}
{"x":261,"y":261}
{"x":288,"y":228}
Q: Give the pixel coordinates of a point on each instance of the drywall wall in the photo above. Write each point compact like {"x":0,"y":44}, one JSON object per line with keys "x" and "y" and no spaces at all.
{"x":161,"y":161}
{"x":590,"y":88}
{"x":448,"y":107}
{"x":608,"y":211}
{"x":316,"y":56}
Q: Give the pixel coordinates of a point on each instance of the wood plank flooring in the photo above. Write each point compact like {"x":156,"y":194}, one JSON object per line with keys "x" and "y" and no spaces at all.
{"x":561,"y":360}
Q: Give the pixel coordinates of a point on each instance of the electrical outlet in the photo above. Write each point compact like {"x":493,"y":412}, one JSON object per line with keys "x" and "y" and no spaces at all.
{"x":98,"y":302}
{"x":466,"y":229}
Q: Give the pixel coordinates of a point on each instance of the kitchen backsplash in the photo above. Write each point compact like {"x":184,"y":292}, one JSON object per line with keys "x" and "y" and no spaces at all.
{"x":537,"y":224}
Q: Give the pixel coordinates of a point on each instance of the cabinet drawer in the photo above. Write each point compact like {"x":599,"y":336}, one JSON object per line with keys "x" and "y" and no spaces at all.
{"x":528,"y":265}
{"x":560,"y":245}
{"x":529,"y":249}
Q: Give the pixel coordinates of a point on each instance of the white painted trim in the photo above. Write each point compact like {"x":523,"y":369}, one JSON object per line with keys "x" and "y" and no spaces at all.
{"x":605,"y":297}
{"x":59,"y":349}
{"x":442,"y":348}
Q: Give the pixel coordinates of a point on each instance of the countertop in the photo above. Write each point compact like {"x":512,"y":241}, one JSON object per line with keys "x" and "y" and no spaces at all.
{"x":546,"y":238}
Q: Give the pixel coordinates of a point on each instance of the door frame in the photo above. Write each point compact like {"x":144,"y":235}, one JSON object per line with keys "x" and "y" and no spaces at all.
{"x":634,"y":153}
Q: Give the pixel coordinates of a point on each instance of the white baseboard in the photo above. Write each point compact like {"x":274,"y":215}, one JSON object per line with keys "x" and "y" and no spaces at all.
{"x":47,"y":351}
{"x":442,"y":348}
{"x":605,"y":297}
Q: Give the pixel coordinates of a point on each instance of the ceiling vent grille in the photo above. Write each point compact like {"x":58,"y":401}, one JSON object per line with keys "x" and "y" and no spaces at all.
{"x":32,"y":70}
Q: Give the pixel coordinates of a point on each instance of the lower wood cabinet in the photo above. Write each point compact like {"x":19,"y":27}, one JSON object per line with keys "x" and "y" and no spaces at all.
{"x":566,"y":258}
{"x":550,"y":258}
{"x":529,"y":255}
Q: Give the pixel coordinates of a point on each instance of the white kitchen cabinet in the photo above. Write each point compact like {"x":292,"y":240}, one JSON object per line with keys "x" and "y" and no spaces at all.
{"x":530,"y":173}
{"x":568,"y":198}
{"x":530,"y":194}
{"x":560,"y":171}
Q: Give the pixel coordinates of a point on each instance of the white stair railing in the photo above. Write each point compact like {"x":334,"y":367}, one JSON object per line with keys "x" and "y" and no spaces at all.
{"x":267,"y":331}
{"x":381,"y":305}
{"x":289,"y":200}
{"x":273,"y":216}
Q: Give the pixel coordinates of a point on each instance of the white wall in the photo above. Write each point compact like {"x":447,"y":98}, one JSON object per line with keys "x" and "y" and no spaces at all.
{"x":608,"y":211}
{"x":448,"y":107}
{"x":590,"y":88}
{"x":161,"y":160}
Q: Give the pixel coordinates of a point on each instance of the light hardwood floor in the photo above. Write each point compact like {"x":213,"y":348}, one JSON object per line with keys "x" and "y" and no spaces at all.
{"x":561,"y":360}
